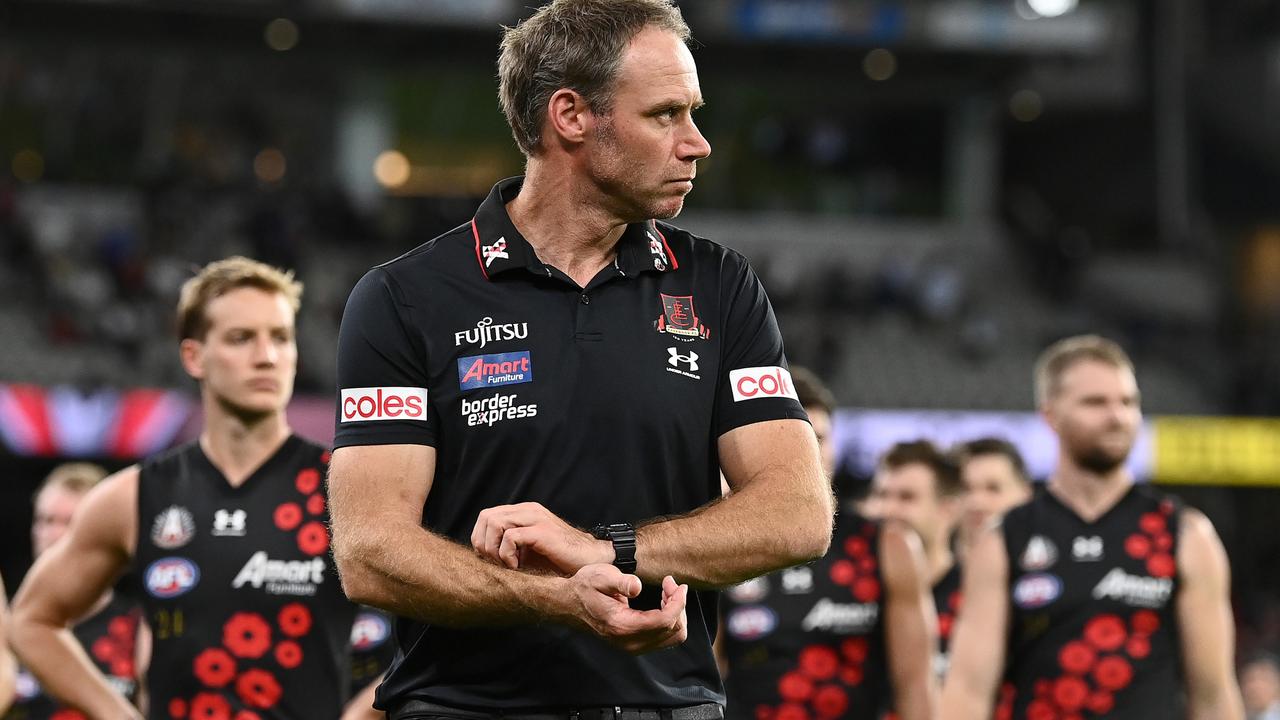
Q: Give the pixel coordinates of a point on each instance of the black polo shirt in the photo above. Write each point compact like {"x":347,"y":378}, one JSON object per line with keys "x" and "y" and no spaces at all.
{"x":602,"y":403}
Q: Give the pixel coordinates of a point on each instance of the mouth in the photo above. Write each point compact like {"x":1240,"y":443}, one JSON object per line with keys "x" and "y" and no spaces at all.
{"x":265,"y":385}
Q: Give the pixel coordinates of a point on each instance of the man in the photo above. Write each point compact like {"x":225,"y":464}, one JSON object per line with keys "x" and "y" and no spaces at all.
{"x":1087,"y":597}
{"x":110,"y":632}
{"x":227,"y":534}
{"x":814,"y":640}
{"x":919,"y":485}
{"x":995,"y":480}
{"x":561,"y":362}
{"x":1260,"y":686}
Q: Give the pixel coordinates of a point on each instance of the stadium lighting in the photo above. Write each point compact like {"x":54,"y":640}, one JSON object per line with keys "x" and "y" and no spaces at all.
{"x":269,"y":165}
{"x":391,"y":169}
{"x":1052,"y":8}
{"x":281,"y":34}
{"x":28,"y":165}
{"x":880,"y":64}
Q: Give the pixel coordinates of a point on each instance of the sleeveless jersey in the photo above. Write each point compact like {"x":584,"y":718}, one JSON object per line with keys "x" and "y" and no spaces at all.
{"x":109,"y":637}
{"x":248,"y":619}
{"x":1093,"y":629}
{"x":808,"y":642}
{"x":946,"y":598}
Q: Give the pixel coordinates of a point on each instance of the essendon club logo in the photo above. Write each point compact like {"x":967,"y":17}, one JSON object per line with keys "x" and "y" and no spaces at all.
{"x":384,"y":403}
{"x":680,"y":319}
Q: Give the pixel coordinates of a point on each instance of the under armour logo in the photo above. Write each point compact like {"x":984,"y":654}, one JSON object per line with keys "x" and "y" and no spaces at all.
{"x":676,"y":358}
{"x":495,"y":251}
{"x":229,"y":523}
{"x":1086,"y":548}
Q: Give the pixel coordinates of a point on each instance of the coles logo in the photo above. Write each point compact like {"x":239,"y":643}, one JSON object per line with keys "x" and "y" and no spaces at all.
{"x":1036,"y":591}
{"x":384,"y":403}
{"x":761,"y":382}
{"x":752,"y":622}
{"x":172,"y":576}
{"x":369,"y":631}
{"x":480,"y":371}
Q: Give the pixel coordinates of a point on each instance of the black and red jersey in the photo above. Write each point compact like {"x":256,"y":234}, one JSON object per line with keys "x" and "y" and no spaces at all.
{"x":946,"y":598}
{"x":248,"y":619}
{"x":109,"y":637}
{"x":1093,"y":629}
{"x":808,"y":642}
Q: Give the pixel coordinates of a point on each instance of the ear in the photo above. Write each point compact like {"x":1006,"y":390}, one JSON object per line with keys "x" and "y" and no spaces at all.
{"x":1046,"y":414}
{"x":190,"y":352}
{"x":568,"y":116}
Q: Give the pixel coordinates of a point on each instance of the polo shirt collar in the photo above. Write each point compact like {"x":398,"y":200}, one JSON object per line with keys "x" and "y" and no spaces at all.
{"x":500,"y":247}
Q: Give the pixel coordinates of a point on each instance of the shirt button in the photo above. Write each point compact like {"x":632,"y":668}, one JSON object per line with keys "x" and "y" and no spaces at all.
{"x":586,"y":299}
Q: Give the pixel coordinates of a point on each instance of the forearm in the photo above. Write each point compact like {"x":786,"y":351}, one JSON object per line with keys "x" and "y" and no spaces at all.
{"x":54,"y":656}
{"x":1215,"y":699}
{"x":415,"y":573}
{"x":750,"y":532}
{"x":361,"y":706}
{"x":962,"y":701}
{"x":8,"y":672}
{"x":915,"y":701}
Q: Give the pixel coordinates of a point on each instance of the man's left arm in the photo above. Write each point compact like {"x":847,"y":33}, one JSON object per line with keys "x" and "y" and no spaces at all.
{"x":1205,"y":625}
{"x":8,"y":665}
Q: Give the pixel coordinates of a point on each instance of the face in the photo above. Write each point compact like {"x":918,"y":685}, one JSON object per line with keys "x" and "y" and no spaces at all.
{"x":54,"y":507}
{"x":909,"y":494}
{"x":1096,"y":414}
{"x":643,"y":153}
{"x":247,"y":360}
{"x":992,"y":486}
{"x":1260,"y":685}
{"x":821,"y":420}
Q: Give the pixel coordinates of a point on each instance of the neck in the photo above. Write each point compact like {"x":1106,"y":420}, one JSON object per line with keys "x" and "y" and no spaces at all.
{"x":566,"y":222}
{"x":1088,"y":493}
{"x":236,"y":445}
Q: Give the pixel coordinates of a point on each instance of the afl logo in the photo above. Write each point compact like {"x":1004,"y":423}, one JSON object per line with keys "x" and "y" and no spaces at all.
{"x":369,"y":631}
{"x":1036,"y":591}
{"x":752,"y":622}
{"x":172,"y":576}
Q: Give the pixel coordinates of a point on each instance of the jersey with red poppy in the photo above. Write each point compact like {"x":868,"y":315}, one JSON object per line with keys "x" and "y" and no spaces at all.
{"x":808,"y":642}
{"x":1093,"y":630}
{"x":247,"y":615}
{"x":109,"y":637}
{"x":946,"y":598}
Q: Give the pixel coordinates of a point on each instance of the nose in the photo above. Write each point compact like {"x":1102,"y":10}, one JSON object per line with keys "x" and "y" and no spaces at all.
{"x":265,"y":352}
{"x":694,"y":145}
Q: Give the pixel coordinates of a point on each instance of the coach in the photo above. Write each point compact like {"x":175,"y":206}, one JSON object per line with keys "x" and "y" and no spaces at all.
{"x":535,"y":407}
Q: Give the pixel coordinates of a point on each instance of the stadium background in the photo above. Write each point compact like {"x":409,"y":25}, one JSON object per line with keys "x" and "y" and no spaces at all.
{"x":932,"y":192}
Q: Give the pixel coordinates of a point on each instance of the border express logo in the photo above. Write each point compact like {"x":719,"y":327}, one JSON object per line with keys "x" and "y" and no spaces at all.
{"x":480,"y":371}
{"x":172,"y":576}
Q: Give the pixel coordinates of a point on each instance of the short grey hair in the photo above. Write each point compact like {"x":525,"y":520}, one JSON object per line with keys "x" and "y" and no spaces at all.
{"x":574,"y":44}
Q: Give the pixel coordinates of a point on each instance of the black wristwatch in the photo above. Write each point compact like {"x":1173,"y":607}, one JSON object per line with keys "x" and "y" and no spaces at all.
{"x":623,"y":537}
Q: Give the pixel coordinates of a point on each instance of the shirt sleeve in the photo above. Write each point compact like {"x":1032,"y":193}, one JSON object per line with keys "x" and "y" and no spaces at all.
{"x":754,"y":383}
{"x":382,"y":377}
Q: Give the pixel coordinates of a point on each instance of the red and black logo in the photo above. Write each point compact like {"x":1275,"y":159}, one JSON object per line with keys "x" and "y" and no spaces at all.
{"x":680,"y":319}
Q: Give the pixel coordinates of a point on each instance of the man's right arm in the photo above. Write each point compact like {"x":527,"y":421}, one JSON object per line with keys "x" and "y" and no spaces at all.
{"x":387,"y":559}
{"x":8,"y":671}
{"x":910,"y":624}
{"x":64,"y":584}
{"x":981,"y":631}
